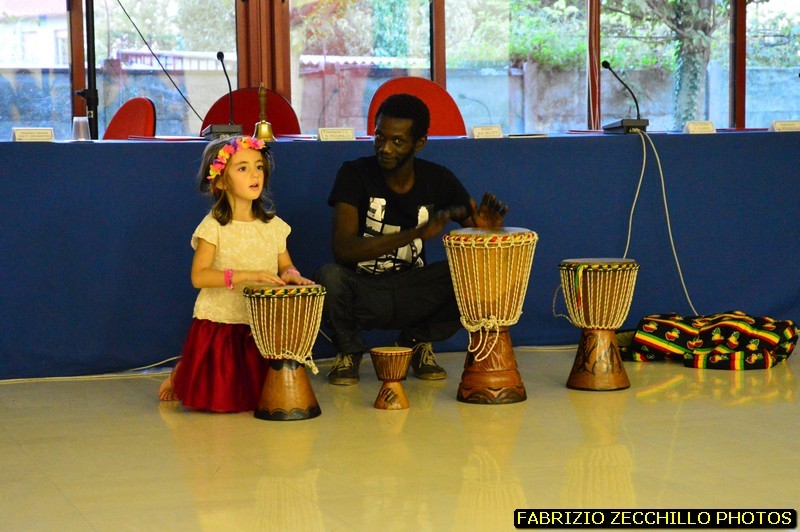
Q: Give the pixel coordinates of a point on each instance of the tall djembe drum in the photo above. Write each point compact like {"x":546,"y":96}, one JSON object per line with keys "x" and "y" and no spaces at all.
{"x":490,"y":271}
{"x":285,"y":322}
{"x":598,"y":294}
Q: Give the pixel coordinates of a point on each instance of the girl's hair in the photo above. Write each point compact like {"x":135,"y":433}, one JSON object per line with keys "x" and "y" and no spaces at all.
{"x":212,"y":170}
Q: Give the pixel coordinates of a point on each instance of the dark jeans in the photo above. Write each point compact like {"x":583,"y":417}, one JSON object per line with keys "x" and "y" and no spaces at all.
{"x":420,"y":303}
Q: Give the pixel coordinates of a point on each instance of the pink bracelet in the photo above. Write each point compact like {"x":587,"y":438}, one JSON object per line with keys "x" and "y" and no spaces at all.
{"x":229,"y":279}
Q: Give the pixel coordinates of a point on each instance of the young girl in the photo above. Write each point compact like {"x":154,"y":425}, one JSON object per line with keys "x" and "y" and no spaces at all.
{"x":239,"y":241}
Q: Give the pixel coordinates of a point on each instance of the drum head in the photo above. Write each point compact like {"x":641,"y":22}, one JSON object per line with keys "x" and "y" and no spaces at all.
{"x":480,"y":231}
{"x":288,"y":290}
{"x":599,"y":263}
{"x":390,"y":350}
{"x":500,"y":237}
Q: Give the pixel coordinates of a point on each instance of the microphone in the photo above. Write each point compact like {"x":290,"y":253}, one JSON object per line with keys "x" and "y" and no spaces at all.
{"x":216,"y":131}
{"x":488,"y":112}
{"x":626,"y":125}
{"x":334,"y":92}
{"x":221,"y":59}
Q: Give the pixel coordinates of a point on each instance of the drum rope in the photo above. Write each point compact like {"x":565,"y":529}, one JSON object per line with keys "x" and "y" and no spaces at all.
{"x":489,"y":303}
{"x":284,"y":325}
{"x":609,"y":293}
{"x":558,"y":314}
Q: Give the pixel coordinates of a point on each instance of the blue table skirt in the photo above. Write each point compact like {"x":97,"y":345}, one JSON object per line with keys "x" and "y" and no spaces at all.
{"x":95,"y":244}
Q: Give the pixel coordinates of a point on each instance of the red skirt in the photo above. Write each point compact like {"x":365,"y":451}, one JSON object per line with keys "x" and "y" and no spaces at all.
{"x":220,"y":369}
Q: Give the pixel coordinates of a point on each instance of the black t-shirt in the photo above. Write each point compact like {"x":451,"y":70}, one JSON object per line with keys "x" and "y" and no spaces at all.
{"x":382,"y":211}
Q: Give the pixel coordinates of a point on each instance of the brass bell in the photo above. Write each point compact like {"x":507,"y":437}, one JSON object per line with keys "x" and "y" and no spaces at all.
{"x":263,"y":129}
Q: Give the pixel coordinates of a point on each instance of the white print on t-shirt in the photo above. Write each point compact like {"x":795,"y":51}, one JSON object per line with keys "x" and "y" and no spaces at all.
{"x":402,"y":258}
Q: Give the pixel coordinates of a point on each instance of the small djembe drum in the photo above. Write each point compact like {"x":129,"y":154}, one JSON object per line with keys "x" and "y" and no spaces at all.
{"x":490,"y":271}
{"x":391,"y":366}
{"x":598,"y":294}
{"x":285,"y":322}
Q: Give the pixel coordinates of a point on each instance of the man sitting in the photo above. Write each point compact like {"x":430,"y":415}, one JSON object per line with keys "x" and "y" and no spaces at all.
{"x":385,"y":207}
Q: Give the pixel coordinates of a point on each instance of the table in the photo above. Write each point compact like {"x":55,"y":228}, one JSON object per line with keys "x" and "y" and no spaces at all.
{"x":96,"y":257}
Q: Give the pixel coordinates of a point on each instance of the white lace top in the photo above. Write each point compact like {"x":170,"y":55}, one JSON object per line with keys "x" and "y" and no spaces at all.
{"x":239,"y":246}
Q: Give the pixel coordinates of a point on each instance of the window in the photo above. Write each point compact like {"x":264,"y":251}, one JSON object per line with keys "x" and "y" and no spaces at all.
{"x":34,"y":86}
{"x":61,"y":53}
{"x":673,"y":55}
{"x":773,"y":62}
{"x":341,"y":52}
{"x":184,"y":37}
{"x":518,"y":64}
{"x":487,"y":87}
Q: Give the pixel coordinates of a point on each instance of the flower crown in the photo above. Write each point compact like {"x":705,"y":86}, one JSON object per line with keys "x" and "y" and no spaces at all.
{"x":217,"y":167}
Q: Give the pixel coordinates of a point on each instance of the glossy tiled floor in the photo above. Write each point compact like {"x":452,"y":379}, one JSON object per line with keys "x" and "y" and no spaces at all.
{"x":104,"y":454}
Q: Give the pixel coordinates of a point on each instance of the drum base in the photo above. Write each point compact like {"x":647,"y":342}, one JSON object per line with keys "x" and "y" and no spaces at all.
{"x":495,"y":379}
{"x":391,"y":397}
{"x":287,"y":394}
{"x":598,"y":364}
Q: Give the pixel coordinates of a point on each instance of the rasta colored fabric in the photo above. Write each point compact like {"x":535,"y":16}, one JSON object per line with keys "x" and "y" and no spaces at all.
{"x":729,"y":340}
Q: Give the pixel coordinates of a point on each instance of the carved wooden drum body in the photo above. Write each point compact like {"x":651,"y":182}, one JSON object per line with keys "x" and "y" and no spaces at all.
{"x":598,"y":294}
{"x":490,"y":271}
{"x":285,"y":321}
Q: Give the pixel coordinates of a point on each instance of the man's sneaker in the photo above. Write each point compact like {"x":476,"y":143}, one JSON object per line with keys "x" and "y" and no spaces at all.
{"x":345,"y":370}
{"x":423,"y":362}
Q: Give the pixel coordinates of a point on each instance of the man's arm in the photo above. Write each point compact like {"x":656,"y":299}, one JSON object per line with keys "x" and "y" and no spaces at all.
{"x":349,"y":247}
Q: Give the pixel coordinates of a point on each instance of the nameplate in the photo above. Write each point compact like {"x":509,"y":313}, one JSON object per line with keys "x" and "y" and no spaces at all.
{"x":785,"y":125}
{"x":486,"y":132}
{"x":32,"y":134}
{"x":699,"y":127}
{"x":336,"y":133}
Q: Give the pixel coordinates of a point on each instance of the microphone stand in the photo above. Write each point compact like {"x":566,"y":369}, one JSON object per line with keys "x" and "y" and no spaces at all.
{"x":215,"y":131}
{"x":626,"y":125}
{"x":90,"y":92}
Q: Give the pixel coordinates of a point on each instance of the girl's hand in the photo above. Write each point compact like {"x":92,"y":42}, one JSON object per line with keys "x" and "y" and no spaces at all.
{"x":292,"y":276}
{"x":262,"y":277}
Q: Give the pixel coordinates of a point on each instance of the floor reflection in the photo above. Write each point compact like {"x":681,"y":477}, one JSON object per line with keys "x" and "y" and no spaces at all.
{"x":490,"y":481}
{"x":105,"y":454}
{"x":599,"y":472}
{"x":731,"y":388}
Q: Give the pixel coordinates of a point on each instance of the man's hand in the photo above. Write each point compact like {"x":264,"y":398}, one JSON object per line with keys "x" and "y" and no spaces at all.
{"x":490,"y":214}
{"x":436,"y":224}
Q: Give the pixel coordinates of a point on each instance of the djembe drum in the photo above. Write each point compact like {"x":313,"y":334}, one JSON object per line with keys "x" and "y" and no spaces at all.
{"x":285,"y":321}
{"x":490,"y":271}
{"x":391,"y":366}
{"x":598,"y":294}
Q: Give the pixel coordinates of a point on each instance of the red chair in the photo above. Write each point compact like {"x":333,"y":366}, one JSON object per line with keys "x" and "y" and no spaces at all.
{"x":246,"y":111}
{"x":446,"y":119}
{"x":136,"y":117}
